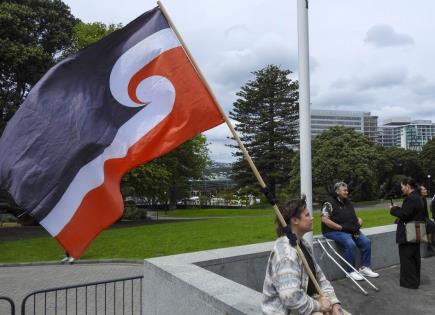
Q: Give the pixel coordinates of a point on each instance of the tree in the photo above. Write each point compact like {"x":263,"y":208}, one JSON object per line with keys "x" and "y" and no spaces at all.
{"x":149,"y":181}
{"x":427,"y":159}
{"x":342,"y":154}
{"x":404,"y":163}
{"x":186,"y":162}
{"x":266,"y":113}
{"x":86,"y":34}
{"x":166,"y":179}
{"x":33,"y":36}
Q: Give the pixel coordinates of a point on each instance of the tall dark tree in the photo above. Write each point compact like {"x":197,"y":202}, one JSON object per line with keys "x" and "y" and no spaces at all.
{"x":33,"y":35}
{"x":266,"y":113}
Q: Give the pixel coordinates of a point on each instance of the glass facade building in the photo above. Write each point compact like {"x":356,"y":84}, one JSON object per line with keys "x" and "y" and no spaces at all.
{"x":406,"y":133}
{"x":362,"y":122}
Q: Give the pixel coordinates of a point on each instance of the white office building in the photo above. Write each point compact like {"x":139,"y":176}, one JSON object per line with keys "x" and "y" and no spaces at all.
{"x":362,"y":122}
{"x":406,"y":133}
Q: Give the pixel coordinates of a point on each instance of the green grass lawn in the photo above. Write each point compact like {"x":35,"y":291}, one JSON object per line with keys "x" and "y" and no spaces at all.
{"x":169,"y":238}
{"x":195,"y":213}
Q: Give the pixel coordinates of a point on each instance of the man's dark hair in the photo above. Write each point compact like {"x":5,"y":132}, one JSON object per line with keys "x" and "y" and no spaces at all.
{"x":290,"y":209}
{"x":409,"y":181}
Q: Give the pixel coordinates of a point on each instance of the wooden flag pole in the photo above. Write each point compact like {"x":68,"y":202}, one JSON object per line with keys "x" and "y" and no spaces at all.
{"x":239,"y":142}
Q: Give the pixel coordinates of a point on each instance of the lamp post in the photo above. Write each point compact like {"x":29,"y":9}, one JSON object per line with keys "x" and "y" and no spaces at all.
{"x":428,"y":184}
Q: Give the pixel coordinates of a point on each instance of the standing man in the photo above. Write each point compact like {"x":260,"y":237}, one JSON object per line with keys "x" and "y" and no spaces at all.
{"x":340,"y":223}
{"x":409,"y":253}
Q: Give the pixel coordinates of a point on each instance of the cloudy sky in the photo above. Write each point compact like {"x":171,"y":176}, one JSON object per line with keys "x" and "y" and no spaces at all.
{"x":370,"y":55}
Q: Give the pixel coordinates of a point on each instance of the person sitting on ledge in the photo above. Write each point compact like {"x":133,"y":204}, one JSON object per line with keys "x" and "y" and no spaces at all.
{"x":340,"y":223}
{"x":287,"y":288}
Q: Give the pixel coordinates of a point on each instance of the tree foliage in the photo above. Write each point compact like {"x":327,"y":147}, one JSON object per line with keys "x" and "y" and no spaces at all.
{"x":266,"y":113}
{"x":33,"y":36}
{"x":86,"y":34}
{"x":166,"y":179}
{"x":371,"y":171}
{"x":401,"y":163}
{"x":427,"y":158}
{"x":342,"y":154}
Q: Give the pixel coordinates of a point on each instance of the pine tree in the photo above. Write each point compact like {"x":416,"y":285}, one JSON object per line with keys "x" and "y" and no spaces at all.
{"x":266,"y":113}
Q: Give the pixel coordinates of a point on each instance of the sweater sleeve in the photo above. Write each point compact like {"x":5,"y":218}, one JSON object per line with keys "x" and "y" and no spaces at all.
{"x":325,"y":285}
{"x":287,"y":281}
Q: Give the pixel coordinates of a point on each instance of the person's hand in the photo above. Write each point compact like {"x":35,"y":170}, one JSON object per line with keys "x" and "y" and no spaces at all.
{"x":325,"y":304}
{"x":360,"y":221}
{"x":337,"y":310}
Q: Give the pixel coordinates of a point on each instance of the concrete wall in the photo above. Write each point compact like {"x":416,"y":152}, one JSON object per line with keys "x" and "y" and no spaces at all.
{"x":230,"y":280}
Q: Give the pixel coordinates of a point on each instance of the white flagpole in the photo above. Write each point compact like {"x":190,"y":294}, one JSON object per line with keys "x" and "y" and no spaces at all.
{"x":242,"y":147}
{"x":304,"y":108}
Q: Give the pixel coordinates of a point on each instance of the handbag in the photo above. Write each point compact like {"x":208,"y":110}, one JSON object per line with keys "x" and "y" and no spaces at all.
{"x":416,"y":232}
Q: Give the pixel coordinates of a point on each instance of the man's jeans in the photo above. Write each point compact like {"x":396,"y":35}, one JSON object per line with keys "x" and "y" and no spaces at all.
{"x":349,"y":244}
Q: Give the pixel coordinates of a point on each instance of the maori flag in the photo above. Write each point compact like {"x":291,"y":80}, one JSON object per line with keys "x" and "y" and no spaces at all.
{"x":116,"y":104}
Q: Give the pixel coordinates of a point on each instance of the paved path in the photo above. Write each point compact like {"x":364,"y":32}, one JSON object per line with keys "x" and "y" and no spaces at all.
{"x":391,"y":299}
{"x":17,"y":282}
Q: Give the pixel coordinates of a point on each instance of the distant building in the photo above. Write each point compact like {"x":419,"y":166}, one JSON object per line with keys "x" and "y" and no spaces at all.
{"x":389,"y":132}
{"x":362,"y":122}
{"x":406,"y":133}
{"x":415,"y":135}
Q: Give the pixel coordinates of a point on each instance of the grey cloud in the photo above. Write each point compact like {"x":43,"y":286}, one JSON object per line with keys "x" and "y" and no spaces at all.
{"x":342,"y":100}
{"x":425,"y":90}
{"x":383,"y":35}
{"x":383,"y":79}
{"x":219,"y":151}
{"x":234,"y":66}
{"x":236,"y":30}
{"x":339,"y":84}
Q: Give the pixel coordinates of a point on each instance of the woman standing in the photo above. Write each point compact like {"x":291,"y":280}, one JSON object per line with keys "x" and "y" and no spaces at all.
{"x":423,"y":194}
{"x":287,"y":288}
{"x":409,"y":253}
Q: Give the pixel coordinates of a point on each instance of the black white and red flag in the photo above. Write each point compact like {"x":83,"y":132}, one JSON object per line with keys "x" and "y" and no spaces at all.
{"x":119,"y":103}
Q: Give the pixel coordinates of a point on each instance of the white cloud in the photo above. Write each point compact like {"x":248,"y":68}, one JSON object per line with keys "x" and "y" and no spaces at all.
{"x":383,"y":35}
{"x":348,"y":70}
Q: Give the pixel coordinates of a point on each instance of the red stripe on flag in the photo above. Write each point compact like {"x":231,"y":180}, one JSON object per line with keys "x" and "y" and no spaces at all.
{"x":194,"y":111}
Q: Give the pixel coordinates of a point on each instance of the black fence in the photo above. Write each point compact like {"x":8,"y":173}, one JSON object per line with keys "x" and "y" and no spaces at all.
{"x":120,"y":296}
{"x":10,"y":302}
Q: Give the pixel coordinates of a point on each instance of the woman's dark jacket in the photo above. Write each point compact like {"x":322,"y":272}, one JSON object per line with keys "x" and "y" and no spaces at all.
{"x":432,"y":207}
{"x":412,"y":210}
{"x":426,"y":212}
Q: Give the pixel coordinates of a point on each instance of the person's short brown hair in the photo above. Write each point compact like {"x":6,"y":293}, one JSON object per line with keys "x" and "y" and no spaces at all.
{"x":290,"y":209}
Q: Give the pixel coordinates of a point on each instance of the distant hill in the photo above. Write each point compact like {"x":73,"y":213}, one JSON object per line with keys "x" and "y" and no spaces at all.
{"x":218,"y":170}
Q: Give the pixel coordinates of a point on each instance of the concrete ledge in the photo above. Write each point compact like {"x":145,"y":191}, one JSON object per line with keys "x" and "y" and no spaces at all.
{"x":230,"y":280}
{"x":76,"y":262}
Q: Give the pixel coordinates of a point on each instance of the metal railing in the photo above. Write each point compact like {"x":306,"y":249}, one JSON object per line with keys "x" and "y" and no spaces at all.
{"x":119,"y":296}
{"x":11,"y":303}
